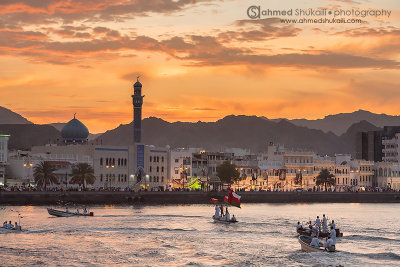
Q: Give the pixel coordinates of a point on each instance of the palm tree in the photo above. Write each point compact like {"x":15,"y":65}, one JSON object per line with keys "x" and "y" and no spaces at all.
{"x":326,"y":178}
{"x":44,"y":174}
{"x":83,"y":173}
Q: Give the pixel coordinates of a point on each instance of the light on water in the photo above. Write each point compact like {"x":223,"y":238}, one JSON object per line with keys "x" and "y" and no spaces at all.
{"x":186,"y":235}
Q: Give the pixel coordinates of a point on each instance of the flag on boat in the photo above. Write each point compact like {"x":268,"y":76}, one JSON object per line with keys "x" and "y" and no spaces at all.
{"x":226,"y":200}
{"x":234,"y":199}
{"x":214,"y":201}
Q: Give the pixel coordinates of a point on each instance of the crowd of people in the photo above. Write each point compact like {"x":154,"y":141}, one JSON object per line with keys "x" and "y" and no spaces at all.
{"x":320,"y":226}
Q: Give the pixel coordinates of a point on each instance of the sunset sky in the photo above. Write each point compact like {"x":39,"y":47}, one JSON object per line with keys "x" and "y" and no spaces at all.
{"x":198,"y":60}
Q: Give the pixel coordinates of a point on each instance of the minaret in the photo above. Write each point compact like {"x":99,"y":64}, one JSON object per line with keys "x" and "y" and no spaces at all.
{"x":137,"y":100}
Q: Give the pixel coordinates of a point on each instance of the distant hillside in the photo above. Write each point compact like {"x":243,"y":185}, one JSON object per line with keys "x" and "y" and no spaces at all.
{"x":236,"y":131}
{"x":339,"y":123}
{"x":9,"y":117}
{"x":24,"y":136}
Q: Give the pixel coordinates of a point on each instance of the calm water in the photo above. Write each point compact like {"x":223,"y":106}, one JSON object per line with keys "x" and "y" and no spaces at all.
{"x":186,"y":235}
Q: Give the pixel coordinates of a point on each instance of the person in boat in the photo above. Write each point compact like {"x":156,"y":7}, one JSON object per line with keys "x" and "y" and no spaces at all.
{"x":314,"y":242}
{"x":227,"y":215}
{"x":77,"y":211}
{"x":314,"y":231}
{"x":84,"y":211}
{"x":332,"y":235}
{"x":328,"y":244}
{"x":324,"y":224}
{"x":299,"y":227}
{"x":318,"y":223}
{"x":233,"y":218}
{"x":216,"y":215}
{"x":332,"y":224}
{"x":67,"y":210}
{"x":5,"y":224}
{"x":222,"y":211}
{"x":17,"y":227}
{"x":10,"y":225}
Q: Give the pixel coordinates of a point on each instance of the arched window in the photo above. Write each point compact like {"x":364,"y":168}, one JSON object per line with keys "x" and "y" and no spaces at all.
{"x":150,"y":158}
{"x":385,"y":172}
{"x":107,"y":161}
{"x":125,"y":162}
{"x":119,"y":162}
{"x":158,"y":169}
{"x":162,"y":169}
{"x":101,"y":161}
{"x":390,"y":172}
{"x":162,"y":159}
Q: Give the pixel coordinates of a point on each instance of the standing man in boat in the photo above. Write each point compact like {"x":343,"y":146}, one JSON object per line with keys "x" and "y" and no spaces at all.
{"x":332,"y":235}
{"x":299,"y":226}
{"x":227,"y":215}
{"x":333,"y":224}
{"x":318,"y":223}
{"x":216,"y":215}
{"x":324,"y":224}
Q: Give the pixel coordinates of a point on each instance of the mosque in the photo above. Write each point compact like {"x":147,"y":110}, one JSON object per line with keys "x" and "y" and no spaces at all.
{"x":135,"y":166}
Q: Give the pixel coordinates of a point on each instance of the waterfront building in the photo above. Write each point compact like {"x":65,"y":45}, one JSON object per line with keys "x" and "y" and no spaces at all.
{"x":181,"y":166}
{"x":3,"y":157}
{"x":387,"y":175}
{"x":391,"y":148}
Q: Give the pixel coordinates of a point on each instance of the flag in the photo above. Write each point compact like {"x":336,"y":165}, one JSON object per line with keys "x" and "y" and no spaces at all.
{"x":226,"y":199}
{"x":235,"y":199}
{"x":214,"y":201}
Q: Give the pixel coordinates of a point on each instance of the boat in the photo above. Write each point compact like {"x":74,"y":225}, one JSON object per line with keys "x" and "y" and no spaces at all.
{"x":8,"y":230}
{"x":218,"y":220}
{"x":320,"y":235}
{"x":305,"y":245}
{"x":60,"y":213}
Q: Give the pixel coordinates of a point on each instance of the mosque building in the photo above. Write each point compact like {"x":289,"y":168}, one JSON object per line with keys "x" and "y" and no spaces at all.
{"x":135,"y":166}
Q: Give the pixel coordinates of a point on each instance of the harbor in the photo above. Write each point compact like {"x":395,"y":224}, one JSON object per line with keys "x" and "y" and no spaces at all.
{"x":179,"y":235}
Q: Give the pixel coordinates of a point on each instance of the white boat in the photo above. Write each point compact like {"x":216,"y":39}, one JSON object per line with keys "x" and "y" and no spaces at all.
{"x":305,"y":245}
{"x":218,"y":220}
{"x":60,"y":213}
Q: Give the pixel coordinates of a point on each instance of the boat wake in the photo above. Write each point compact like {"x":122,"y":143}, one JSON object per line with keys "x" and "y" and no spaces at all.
{"x":370,"y":238}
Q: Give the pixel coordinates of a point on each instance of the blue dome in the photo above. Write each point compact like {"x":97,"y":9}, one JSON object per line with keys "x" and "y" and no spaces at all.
{"x":74,"y":131}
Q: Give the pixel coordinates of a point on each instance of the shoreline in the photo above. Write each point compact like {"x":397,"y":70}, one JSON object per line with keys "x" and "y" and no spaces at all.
{"x":157,"y":198}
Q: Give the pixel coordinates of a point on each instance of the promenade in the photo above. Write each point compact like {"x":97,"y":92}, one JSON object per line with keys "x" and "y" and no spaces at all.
{"x":153,"y":198}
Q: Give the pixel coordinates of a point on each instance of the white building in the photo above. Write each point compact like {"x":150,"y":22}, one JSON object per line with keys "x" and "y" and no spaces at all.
{"x":181,"y":165}
{"x":3,"y":156}
{"x":391,"y":149}
{"x":387,"y":175}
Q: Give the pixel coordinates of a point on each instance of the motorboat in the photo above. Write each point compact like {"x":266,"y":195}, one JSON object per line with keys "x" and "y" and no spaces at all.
{"x":305,"y":245}
{"x":60,"y":213}
{"x":8,"y":230}
{"x":219,"y":220}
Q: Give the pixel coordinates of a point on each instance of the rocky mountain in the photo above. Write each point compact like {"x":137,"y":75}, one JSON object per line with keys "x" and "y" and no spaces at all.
{"x":237,"y":131}
{"x":339,"y":123}
{"x":9,"y":117}
{"x":24,"y":136}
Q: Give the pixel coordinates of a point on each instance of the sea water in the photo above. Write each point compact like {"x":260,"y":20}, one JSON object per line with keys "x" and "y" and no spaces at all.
{"x":186,"y":235}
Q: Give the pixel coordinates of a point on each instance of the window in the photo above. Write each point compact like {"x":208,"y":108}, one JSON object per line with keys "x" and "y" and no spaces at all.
{"x":101,"y":161}
{"x":162,"y":169}
{"x":158,"y":169}
{"x":176,"y":160}
{"x":150,"y":179}
{"x":176,"y":172}
{"x":150,"y":169}
{"x":150,"y":158}
{"x":162,"y":159}
{"x":125,"y":162}
{"x":101,"y":177}
{"x":106,"y":161}
{"x":162,"y":179}
{"x":119,"y":162}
